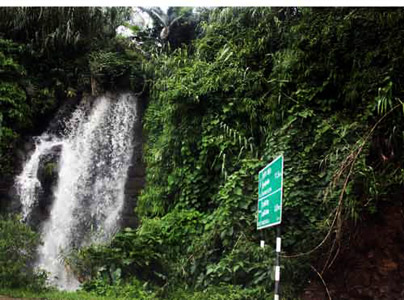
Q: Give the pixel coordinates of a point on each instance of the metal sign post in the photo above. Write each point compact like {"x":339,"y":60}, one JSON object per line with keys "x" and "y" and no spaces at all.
{"x":270,"y":190}
{"x":278,"y":264}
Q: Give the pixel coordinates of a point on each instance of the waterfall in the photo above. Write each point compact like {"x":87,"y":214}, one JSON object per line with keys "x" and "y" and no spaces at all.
{"x":27,"y":183}
{"x":96,"y":151}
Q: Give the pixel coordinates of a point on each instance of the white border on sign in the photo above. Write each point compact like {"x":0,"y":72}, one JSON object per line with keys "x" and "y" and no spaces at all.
{"x":271,"y":163}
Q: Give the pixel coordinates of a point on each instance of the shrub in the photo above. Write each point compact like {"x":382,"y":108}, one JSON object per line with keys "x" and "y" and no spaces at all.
{"x":17,"y":249}
{"x":130,"y":290}
{"x":222,"y":292}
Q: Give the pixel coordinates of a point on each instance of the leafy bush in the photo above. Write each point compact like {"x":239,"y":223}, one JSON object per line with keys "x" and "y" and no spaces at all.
{"x":109,"y":67}
{"x":14,"y":110}
{"x":54,"y":294}
{"x":147,"y":252}
{"x":17,"y":250}
{"x":265,"y":81}
{"x":133,"y":289}
{"x":323,"y":87}
{"x":223,"y":292}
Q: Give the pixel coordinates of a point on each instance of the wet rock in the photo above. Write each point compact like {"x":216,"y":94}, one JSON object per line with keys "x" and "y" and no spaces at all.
{"x":370,"y":264}
{"x":57,"y":125}
{"x":136,"y":173}
{"x":134,"y":185}
{"x":48,"y":168}
{"x":4,"y":194}
{"x":47,"y":176}
{"x":359,"y":279}
{"x":314,"y":292}
{"x":386,"y":266}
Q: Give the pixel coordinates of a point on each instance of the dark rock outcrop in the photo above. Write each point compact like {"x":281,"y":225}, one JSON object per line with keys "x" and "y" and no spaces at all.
{"x":8,"y":194}
{"x":47,"y":176}
{"x":370,"y":264}
{"x":8,"y":199}
{"x":57,"y":125}
{"x":136,"y":173}
{"x":48,"y":169}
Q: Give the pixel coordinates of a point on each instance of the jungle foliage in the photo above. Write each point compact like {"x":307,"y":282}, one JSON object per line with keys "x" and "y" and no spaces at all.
{"x":322,"y":86}
{"x":49,"y":56}
{"x":13,"y":106}
{"x":17,"y":249}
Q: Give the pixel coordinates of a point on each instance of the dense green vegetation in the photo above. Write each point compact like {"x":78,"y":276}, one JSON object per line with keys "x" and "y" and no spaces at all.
{"x":51,"y":55}
{"x":53,"y":294}
{"x":17,"y":249}
{"x":322,"y":86}
{"x":311,"y":84}
{"x":13,"y":106}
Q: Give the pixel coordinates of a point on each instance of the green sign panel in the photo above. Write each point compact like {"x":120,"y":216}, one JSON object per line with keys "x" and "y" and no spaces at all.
{"x":270,"y":182}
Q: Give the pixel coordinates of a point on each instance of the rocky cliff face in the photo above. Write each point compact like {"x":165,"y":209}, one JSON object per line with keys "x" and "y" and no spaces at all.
{"x":8,"y":199}
{"x":136,"y":173}
{"x":5,"y":200}
{"x":370,"y":264}
{"x":48,"y":170}
{"x":48,"y":176}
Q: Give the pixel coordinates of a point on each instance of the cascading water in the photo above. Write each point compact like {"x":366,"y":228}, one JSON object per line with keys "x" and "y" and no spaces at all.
{"x":96,"y":151}
{"x":28,"y":184}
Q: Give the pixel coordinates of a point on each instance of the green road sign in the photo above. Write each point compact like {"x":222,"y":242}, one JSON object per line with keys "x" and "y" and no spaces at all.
{"x":270,"y":182}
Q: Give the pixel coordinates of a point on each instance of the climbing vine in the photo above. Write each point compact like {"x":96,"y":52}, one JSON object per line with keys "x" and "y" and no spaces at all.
{"x":257,"y":83}
{"x":322,"y":86}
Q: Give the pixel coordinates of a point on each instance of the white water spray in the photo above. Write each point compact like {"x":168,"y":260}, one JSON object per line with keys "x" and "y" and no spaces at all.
{"x":89,"y":196}
{"x":27,"y":183}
